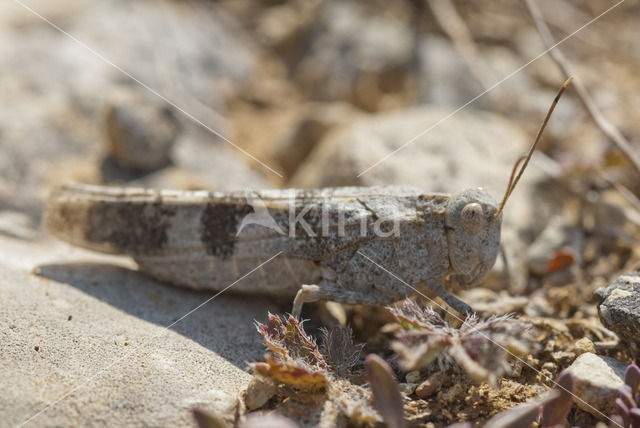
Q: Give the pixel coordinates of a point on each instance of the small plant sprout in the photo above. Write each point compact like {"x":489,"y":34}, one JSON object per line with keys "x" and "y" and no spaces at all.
{"x":295,"y":362}
{"x":628,"y":405}
{"x":480,"y":348}
{"x":294,"y":358}
{"x":342,"y":355}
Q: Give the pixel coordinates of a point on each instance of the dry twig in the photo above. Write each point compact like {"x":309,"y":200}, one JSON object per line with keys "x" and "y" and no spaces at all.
{"x":558,"y":57}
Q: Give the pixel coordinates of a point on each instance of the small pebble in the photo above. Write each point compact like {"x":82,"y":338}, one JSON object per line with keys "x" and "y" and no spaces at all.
{"x":258,"y":392}
{"x":584,"y":345}
{"x":140,"y":132}
{"x":618,"y":308}
{"x":429,"y":386}
{"x":408,"y":388}
{"x":413,"y":376}
{"x":596,"y":379}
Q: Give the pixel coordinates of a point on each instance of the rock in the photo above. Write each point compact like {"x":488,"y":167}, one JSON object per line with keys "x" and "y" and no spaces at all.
{"x":438,"y":154}
{"x":267,"y":420}
{"x":54,"y":90}
{"x":285,"y":27}
{"x":181,"y":65}
{"x":443,"y":76}
{"x":314,"y":122}
{"x":141,"y":131}
{"x":407,"y":388}
{"x":378,"y":48}
{"x":258,"y":392}
{"x":217,"y":164}
{"x":596,"y":379}
{"x":90,"y":332}
{"x":413,"y":376}
{"x":431,"y":385}
{"x":584,"y":345}
{"x":619,"y":308}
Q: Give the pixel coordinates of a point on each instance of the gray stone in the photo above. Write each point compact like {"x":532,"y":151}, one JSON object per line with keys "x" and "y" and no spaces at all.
{"x":443,"y":77}
{"x":314,"y":122}
{"x":596,"y":379}
{"x":219,"y":165}
{"x":55,"y":91}
{"x":619,"y":308}
{"x":355,"y":56}
{"x":141,"y":131}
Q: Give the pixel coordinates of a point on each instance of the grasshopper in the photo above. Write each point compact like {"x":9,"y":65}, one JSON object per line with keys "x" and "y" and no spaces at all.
{"x":206,"y":240}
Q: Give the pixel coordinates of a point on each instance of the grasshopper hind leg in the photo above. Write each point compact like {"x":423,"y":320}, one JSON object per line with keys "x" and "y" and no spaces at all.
{"x":307,"y":293}
{"x":455,"y":303}
{"x":329,"y":290}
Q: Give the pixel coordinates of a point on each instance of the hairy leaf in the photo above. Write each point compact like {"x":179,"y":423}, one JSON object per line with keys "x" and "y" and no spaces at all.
{"x":480,"y":347}
{"x":290,"y":341}
{"x":411,"y":315}
{"x":354,"y":401}
{"x":340,"y":351}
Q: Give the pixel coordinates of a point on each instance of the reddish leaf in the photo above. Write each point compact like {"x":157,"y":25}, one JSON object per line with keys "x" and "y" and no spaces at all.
{"x":632,"y":378}
{"x":290,"y":373}
{"x":562,"y":259}
{"x":555,"y":411}
{"x":290,"y":341}
{"x":386,"y":392}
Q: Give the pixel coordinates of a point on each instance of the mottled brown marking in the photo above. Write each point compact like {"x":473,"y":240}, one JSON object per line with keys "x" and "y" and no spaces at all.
{"x":219,"y":227}
{"x":131,"y":227}
{"x":62,"y":217}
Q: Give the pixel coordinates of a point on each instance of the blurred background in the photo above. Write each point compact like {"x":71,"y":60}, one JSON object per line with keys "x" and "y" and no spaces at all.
{"x":237,"y":93}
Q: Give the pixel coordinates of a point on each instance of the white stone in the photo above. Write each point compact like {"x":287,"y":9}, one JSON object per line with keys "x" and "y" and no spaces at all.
{"x":596,"y":381}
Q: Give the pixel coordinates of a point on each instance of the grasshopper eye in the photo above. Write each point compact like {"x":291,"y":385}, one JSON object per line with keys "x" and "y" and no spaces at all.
{"x":472,"y":218}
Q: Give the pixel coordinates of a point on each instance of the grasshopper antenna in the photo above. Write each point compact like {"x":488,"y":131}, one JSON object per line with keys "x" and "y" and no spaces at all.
{"x":517,"y":172}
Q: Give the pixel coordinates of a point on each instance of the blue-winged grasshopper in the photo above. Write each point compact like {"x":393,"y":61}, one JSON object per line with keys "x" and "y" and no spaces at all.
{"x":206,"y":240}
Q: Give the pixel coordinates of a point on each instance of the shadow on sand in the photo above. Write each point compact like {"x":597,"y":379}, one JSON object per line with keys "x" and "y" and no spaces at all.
{"x":224,"y":325}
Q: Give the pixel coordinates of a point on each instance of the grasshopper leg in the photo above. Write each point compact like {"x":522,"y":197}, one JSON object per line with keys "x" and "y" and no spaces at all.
{"x":457,"y":304}
{"x":307,"y":293}
{"x":329,"y":290}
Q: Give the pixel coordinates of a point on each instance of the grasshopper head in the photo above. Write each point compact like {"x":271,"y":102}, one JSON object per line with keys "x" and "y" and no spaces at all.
{"x":473,"y":235}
